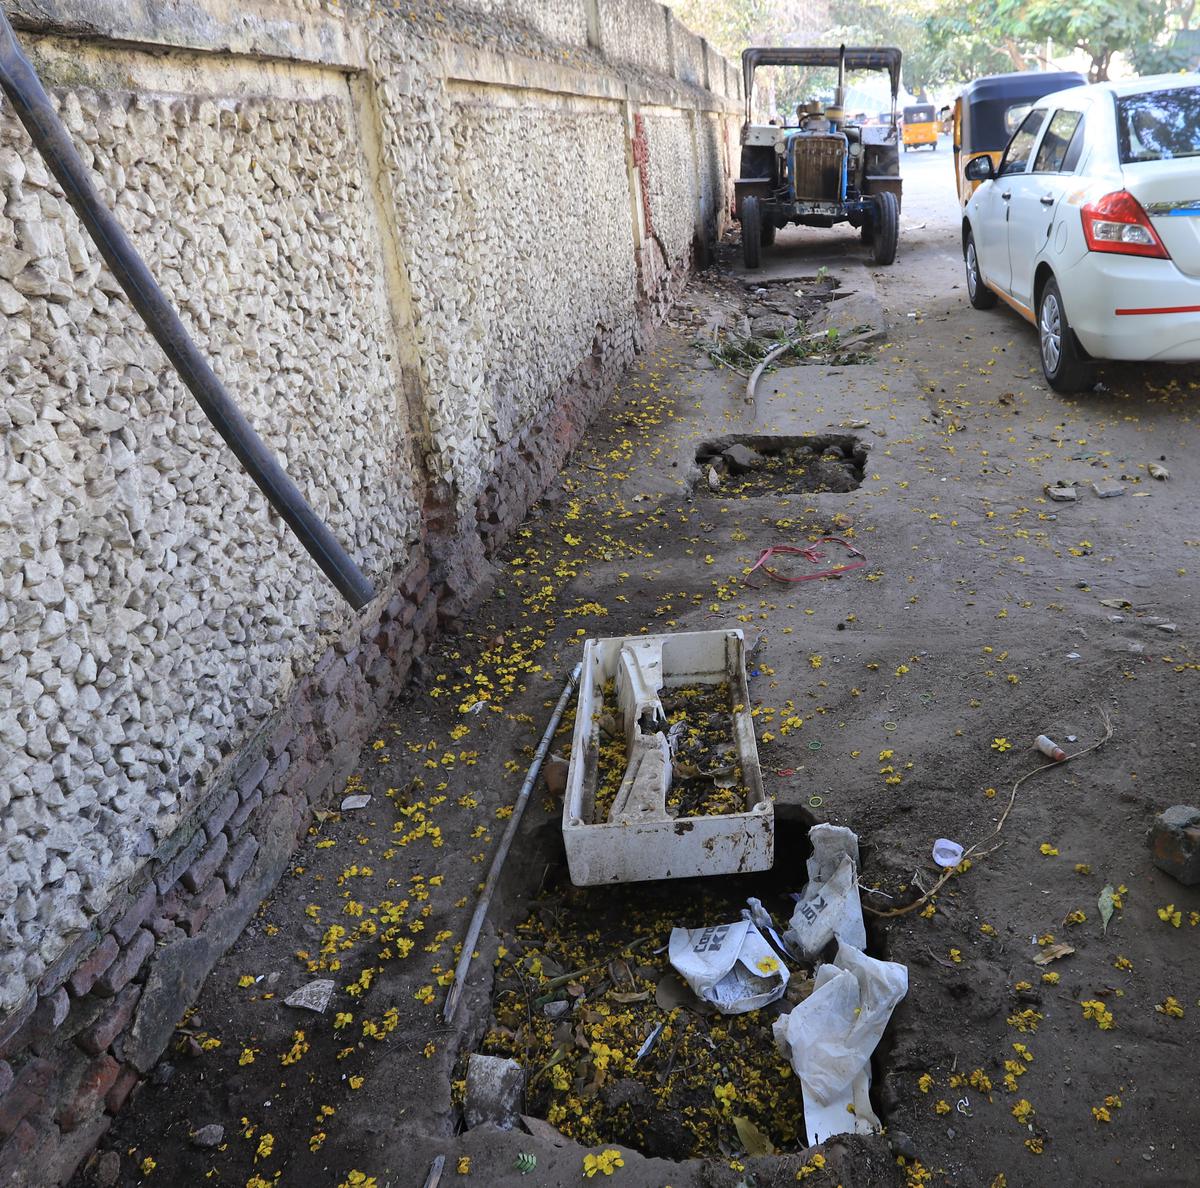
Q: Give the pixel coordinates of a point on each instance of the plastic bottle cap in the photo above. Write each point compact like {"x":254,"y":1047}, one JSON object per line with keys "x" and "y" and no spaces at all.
{"x":947,"y":852}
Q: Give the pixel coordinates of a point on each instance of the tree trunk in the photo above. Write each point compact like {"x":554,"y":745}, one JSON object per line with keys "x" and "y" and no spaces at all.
{"x":1014,"y":52}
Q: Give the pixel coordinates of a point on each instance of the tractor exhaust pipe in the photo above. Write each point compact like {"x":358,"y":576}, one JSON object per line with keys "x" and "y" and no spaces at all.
{"x":837,"y":114}
{"x":28,"y":97}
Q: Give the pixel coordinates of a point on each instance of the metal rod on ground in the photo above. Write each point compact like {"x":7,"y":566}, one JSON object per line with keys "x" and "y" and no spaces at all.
{"x":435,"y":1172}
{"x":24,"y":89}
{"x":485,"y":898}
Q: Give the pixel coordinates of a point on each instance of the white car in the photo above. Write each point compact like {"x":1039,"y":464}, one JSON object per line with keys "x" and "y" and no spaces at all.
{"x":1090,"y":225}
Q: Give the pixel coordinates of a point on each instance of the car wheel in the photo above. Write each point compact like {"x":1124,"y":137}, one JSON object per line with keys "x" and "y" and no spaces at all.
{"x":767,"y":235}
{"x":981,"y":297}
{"x":751,"y":232}
{"x":1064,"y":364}
{"x":887,"y":227}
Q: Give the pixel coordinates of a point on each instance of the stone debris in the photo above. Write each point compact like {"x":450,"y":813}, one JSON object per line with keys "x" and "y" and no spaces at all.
{"x":495,"y":1087}
{"x":1175,"y":843}
{"x":1062,"y":492}
{"x":741,"y":459}
{"x":211,"y":1135}
{"x":1108,"y":488}
{"x":312,"y":996}
{"x":554,"y":773}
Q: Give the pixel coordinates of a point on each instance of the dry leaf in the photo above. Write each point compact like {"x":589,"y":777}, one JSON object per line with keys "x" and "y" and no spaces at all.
{"x":625,"y":999}
{"x":1105,"y":904}
{"x":1158,"y":471}
{"x":754,"y":1142}
{"x":1053,"y":953}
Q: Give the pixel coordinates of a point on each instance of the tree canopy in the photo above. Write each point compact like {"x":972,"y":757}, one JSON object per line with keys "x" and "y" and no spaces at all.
{"x":951,"y":41}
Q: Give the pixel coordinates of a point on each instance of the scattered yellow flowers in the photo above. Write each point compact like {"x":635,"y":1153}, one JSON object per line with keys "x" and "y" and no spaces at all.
{"x":925,"y":1082}
{"x":1048,"y":850}
{"x":1001,"y":745}
{"x":607,"y":1162}
{"x":1168,"y":915}
{"x":1025,"y":1021}
{"x":1093,"y":1008}
{"x":1170,"y":1007}
{"x":814,"y":1165}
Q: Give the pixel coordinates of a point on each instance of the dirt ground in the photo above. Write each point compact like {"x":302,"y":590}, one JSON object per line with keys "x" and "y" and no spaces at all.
{"x":985,"y":615}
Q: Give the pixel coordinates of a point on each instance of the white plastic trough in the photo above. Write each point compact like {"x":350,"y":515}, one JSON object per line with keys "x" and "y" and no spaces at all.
{"x":641,"y":840}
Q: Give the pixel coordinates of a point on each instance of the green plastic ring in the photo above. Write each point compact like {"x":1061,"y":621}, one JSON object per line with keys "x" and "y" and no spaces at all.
{"x":891,"y":726}
{"x":815,"y":745}
{"x":816,"y":801}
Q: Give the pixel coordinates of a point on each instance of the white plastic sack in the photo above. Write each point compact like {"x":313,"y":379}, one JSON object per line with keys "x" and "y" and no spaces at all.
{"x":729,"y":965}
{"x":829,"y":905}
{"x":830,"y":1036}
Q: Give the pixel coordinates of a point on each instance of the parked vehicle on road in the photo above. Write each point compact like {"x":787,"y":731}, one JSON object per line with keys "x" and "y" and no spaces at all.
{"x":988,"y":111}
{"x":820,"y":170}
{"x":920,"y":126}
{"x":1090,"y":226}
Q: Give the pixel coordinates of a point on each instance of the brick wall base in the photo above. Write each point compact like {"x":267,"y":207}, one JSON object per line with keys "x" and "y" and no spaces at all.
{"x":105,"y":1011}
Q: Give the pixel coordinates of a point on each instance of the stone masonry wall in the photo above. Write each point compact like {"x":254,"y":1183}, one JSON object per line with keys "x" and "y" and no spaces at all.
{"x":419,"y":246}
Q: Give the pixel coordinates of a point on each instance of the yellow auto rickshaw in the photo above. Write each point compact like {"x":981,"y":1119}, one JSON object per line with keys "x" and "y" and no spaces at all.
{"x":990,"y":110}
{"x":920,"y":126}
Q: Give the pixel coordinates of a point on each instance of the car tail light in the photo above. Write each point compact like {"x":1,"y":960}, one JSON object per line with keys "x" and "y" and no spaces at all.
{"x":1117,"y":223}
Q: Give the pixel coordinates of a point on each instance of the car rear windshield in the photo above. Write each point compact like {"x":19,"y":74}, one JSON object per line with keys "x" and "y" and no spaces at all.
{"x":1159,"y":125}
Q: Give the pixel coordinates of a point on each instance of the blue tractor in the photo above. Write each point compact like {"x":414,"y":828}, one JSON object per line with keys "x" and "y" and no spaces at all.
{"x":820,"y":170}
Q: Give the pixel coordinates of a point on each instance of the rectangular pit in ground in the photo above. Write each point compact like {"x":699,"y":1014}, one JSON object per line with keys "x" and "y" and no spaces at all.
{"x":755,"y":464}
{"x":582,"y":985}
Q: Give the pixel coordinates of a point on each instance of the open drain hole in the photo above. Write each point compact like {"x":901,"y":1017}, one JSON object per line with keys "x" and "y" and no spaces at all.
{"x":583,"y":981}
{"x":759,"y":464}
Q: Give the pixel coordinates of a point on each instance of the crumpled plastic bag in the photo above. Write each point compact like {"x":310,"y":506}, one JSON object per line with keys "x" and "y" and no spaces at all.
{"x":829,"y":906}
{"x":830,"y":1036}
{"x":729,"y":965}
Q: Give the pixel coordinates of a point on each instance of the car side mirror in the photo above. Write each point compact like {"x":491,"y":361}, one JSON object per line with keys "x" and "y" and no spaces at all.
{"x":980,"y":169}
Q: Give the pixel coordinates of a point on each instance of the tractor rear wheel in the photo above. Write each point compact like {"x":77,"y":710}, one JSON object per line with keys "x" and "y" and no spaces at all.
{"x":752,"y":231}
{"x":886,"y":226}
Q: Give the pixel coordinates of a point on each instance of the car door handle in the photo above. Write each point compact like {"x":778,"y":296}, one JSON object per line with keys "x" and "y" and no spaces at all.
{"x":1006,"y":195}
{"x":1047,"y":199}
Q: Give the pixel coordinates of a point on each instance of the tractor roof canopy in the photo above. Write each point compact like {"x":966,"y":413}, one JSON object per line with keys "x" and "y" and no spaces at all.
{"x":857,"y":58}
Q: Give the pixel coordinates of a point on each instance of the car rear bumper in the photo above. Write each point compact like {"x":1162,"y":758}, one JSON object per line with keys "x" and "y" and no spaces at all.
{"x":1127,"y":307}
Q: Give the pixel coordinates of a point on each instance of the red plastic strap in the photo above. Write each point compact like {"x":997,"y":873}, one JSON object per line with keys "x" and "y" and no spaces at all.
{"x":810,"y":553}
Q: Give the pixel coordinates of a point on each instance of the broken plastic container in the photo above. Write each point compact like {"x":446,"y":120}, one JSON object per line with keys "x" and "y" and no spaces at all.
{"x":641,"y":839}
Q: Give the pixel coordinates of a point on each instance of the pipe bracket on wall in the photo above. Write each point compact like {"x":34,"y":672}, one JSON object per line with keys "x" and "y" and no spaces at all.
{"x":28,"y":97}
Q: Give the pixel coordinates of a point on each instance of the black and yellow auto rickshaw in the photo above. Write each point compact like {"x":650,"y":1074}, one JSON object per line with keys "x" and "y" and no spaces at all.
{"x":989,"y":110}
{"x":920,"y":126}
